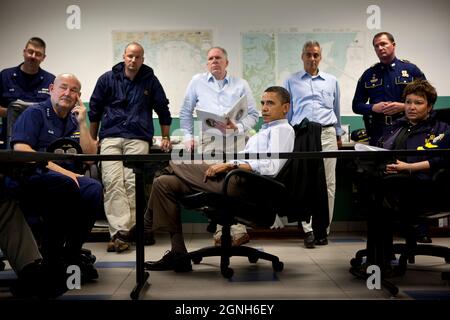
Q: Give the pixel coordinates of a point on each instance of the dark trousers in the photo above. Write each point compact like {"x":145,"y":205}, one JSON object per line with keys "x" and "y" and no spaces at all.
{"x":67,"y":211}
{"x":396,"y":199}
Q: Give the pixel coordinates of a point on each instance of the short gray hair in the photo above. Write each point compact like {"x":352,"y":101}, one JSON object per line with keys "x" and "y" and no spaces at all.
{"x":309,"y":44}
{"x":225,"y":53}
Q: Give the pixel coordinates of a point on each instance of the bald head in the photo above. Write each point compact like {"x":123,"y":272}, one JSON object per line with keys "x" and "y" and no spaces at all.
{"x":133,"y":57}
{"x":64,"y":93}
{"x":135,"y":46}
{"x":63,"y":77}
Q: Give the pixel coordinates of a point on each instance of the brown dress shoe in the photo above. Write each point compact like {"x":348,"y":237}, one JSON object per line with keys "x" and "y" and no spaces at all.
{"x":110,"y":247}
{"x":239,"y":239}
{"x":117,"y":245}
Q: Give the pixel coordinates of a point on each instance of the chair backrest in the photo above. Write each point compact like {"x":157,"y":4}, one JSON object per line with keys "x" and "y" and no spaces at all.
{"x":14,"y":110}
{"x":443,"y":115}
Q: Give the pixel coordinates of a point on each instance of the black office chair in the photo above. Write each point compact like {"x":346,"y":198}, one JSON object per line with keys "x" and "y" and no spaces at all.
{"x":14,"y":110}
{"x":409,"y":249}
{"x":298,"y":191}
{"x":226,"y":210}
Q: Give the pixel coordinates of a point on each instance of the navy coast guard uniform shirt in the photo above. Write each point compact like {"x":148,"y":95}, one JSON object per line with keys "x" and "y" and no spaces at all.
{"x":16,"y":84}
{"x":38,"y":126}
{"x":382,"y":82}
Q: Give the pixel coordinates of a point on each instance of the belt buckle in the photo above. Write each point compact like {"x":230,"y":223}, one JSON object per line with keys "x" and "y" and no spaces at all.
{"x":388,"y":120}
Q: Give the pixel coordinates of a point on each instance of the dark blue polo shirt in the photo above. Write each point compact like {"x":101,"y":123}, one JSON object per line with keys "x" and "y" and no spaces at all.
{"x":38,"y":126}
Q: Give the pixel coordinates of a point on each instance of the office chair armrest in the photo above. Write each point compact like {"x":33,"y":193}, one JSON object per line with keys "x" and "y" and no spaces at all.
{"x":254,"y":178}
{"x":442,"y":175}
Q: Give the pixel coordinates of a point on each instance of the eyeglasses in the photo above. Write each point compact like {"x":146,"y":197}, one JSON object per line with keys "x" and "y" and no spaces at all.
{"x":37,"y":54}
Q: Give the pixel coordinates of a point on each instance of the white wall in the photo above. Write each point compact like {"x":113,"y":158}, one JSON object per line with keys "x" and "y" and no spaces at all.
{"x":421,"y":28}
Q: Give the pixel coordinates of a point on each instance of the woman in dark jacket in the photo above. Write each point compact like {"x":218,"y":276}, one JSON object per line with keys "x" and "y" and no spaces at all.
{"x":406,"y":189}
{"x":417,"y":128}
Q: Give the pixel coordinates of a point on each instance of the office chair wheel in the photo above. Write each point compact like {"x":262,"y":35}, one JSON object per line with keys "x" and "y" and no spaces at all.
{"x":253,"y":259}
{"x":227,"y":273}
{"x":197,"y":260}
{"x":277,"y":266}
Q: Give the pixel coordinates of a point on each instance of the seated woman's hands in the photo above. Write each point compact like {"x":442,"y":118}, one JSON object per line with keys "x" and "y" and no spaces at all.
{"x":397,"y":167}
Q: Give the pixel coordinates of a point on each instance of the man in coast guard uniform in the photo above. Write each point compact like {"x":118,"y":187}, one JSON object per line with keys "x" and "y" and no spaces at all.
{"x":67,"y":202}
{"x":26,"y":83}
{"x":379,"y":91}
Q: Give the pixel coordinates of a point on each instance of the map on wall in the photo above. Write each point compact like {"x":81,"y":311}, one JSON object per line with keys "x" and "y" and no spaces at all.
{"x":175,"y":56}
{"x":268,"y":58}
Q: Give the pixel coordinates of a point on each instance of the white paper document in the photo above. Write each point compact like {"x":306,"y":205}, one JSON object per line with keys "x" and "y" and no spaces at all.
{"x":366,"y":147}
{"x":213,"y":120}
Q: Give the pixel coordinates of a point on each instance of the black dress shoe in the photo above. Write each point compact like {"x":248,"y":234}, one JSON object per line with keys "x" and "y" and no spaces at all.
{"x":309,"y":240}
{"x":170,"y":261}
{"x":41,"y":281}
{"x":321,"y":242}
{"x":130,"y":236}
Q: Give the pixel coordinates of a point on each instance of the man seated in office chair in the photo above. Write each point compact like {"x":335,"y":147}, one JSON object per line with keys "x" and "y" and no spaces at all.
{"x":67,"y":202}
{"x":276,"y":135}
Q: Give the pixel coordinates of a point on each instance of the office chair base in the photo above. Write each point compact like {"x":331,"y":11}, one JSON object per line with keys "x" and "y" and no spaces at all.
{"x":387,"y":285}
{"x":407,"y":254}
{"x":225,"y":253}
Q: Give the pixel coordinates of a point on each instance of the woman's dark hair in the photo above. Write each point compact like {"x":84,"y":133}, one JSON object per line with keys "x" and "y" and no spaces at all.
{"x":421,"y":88}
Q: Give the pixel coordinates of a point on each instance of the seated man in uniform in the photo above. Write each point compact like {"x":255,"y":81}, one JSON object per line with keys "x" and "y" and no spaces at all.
{"x":66,"y":201}
{"x":275,"y":136}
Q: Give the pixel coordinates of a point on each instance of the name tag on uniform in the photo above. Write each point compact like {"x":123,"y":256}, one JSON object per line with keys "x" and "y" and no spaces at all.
{"x":404,"y":78}
{"x":75,"y":135}
{"x":374,"y":82}
{"x":44,"y":91}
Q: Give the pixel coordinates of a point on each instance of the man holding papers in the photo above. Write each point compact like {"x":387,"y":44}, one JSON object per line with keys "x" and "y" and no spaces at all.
{"x":217,"y":92}
{"x":220,"y":121}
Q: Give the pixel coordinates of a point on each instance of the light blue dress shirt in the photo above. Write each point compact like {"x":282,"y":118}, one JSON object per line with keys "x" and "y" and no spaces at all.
{"x":315,"y":98}
{"x":206,"y":93}
{"x":273,"y":137}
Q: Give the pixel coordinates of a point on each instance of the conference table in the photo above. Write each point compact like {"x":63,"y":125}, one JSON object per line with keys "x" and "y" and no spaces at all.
{"x":14,"y":160}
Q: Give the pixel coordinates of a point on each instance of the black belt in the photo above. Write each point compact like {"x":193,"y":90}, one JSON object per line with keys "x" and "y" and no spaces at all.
{"x":385,"y":118}
{"x":328,"y":125}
